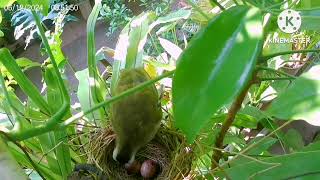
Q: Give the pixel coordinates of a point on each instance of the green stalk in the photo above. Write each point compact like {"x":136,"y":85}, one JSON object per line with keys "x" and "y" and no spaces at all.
{"x":277,"y":79}
{"x":267,"y":57}
{"x":20,"y":136}
{"x":218,"y":4}
{"x":276,"y":71}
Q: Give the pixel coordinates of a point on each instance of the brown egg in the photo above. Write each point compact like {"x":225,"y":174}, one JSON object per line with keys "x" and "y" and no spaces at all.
{"x":149,"y":169}
{"x":133,"y":168}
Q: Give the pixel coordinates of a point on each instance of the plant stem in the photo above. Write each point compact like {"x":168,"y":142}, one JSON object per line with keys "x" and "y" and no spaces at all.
{"x":276,"y":79}
{"x":218,"y":4}
{"x":235,"y":107}
{"x":267,"y":57}
{"x":276,"y":71}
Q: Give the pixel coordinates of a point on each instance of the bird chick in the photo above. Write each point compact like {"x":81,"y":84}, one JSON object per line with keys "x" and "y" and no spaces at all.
{"x":136,"y":118}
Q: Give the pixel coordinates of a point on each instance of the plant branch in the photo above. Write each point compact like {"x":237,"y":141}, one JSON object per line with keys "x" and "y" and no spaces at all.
{"x":218,"y":4}
{"x":276,"y":79}
{"x":267,"y":57}
{"x":276,"y":71}
{"x":235,"y":107}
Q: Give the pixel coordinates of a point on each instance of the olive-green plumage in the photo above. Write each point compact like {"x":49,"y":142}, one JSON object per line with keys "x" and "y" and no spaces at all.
{"x":136,"y":118}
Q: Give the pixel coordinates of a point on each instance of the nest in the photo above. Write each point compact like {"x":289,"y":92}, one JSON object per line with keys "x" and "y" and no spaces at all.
{"x":168,"y":149}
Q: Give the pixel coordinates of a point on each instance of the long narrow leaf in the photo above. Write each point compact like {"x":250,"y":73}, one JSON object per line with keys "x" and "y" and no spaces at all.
{"x":97,"y":88}
{"x":26,"y":85}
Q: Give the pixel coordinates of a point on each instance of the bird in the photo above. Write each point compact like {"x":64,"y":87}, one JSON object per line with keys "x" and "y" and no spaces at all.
{"x":136,"y":118}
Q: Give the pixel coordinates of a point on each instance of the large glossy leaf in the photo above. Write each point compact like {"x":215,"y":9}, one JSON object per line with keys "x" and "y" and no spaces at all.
{"x":215,"y":67}
{"x":301,"y":100}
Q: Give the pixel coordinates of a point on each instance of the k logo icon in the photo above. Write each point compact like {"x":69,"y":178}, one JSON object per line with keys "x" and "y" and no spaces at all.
{"x":289,"y":21}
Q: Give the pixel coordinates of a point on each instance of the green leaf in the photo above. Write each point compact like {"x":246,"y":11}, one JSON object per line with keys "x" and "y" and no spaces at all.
{"x":133,"y":37}
{"x":5,"y":3}
{"x":37,"y":5}
{"x":83,"y":92}
{"x":174,"y":16}
{"x":254,"y":112}
{"x":293,"y":140}
{"x":266,"y":143}
{"x":9,"y":168}
{"x":139,"y":27}
{"x":97,"y":86}
{"x":215,"y":66}
{"x":310,"y":19}
{"x":27,"y":63}
{"x":59,"y":138}
{"x":308,"y":4}
{"x":246,"y":121}
{"x":26,"y":85}
{"x":240,"y":120}
{"x":171,"y":48}
{"x":301,"y":100}
{"x":24,"y":161}
{"x":292,"y":166}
